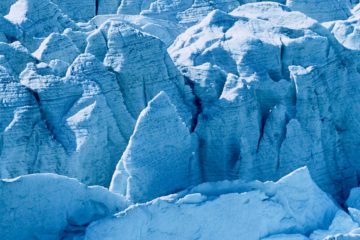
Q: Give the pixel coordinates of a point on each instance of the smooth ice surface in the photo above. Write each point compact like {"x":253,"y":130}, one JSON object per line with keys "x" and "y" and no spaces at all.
{"x":225,"y":210}
{"x":48,"y":206}
{"x":354,"y":198}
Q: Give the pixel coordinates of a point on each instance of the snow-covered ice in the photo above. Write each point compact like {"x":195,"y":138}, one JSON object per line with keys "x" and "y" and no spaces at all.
{"x":234,"y":210}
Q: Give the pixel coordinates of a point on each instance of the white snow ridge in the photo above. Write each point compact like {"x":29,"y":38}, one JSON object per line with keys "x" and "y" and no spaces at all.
{"x":181,"y":120}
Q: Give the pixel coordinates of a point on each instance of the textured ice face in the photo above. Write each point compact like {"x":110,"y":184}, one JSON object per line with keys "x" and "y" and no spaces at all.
{"x":38,"y":18}
{"x":159,"y":158}
{"x":246,"y":90}
{"x":269,"y":82}
{"x":63,"y":122}
{"x":323,"y":10}
{"x":74,"y":98}
{"x":257,"y":115}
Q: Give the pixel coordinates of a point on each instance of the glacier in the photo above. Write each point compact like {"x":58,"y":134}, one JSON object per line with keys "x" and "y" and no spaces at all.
{"x":184,"y":119}
{"x":164,"y":165}
{"x":273,"y":111}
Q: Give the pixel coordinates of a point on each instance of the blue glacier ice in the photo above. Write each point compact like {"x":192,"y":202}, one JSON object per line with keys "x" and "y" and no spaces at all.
{"x":166,"y":164}
{"x":225,"y":210}
{"x":272,"y":111}
{"x":188,"y":119}
{"x":48,"y":206}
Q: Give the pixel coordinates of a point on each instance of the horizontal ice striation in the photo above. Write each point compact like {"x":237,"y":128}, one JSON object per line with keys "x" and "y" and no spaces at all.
{"x":276,"y":88}
{"x":225,"y":210}
{"x":14,"y":57}
{"x":262,"y":115}
{"x":167,"y":19}
{"x":142,"y":66}
{"x":37,"y":19}
{"x":321,"y":10}
{"x":165,"y":30}
{"x":255,"y":103}
{"x":25,"y":142}
{"x":48,"y":206}
{"x":159,"y":158}
{"x":163,"y":17}
{"x":56,"y":127}
{"x":189,"y":12}
{"x":81,"y":11}
{"x":78,"y":10}
{"x":107,"y":6}
{"x":82,"y":112}
{"x":184,"y":11}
